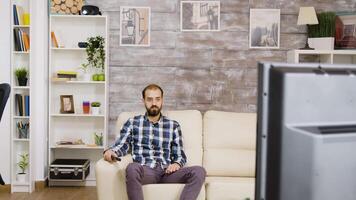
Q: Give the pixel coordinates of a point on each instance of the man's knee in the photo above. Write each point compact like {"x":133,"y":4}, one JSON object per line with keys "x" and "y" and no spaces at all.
{"x":133,"y":170}
{"x":198,"y":172}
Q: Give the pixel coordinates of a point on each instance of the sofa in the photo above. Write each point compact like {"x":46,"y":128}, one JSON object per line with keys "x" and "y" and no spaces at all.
{"x":223,"y":143}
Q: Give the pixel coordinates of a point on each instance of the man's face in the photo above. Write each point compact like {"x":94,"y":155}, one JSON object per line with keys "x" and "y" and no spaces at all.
{"x":153,"y":102}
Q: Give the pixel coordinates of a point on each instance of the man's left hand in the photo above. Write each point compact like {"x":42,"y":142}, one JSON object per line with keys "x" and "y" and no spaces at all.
{"x":172,"y":168}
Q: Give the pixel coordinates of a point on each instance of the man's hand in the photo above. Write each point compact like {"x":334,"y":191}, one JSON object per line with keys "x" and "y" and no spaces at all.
{"x":172,"y":168}
{"x":108,"y":155}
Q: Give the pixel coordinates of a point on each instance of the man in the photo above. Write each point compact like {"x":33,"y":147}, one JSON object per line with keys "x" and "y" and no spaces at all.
{"x":157,"y":150}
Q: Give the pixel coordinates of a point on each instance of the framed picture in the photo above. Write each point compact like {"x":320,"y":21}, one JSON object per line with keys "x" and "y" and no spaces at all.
{"x":264,"y":28}
{"x":200,"y":15}
{"x":135,"y":26}
{"x":67,"y":104}
{"x":345,"y":31}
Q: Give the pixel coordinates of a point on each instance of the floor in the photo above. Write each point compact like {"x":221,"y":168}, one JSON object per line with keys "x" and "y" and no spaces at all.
{"x":54,"y":193}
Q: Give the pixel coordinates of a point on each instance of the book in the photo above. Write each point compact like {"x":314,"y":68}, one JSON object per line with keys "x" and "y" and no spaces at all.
{"x":23,"y":105}
{"x":27,"y":105}
{"x":19,"y":35}
{"x":16,"y":40}
{"x":16,"y":19}
{"x":26,"y":39}
{"x":54,"y":40}
{"x":18,"y":99}
{"x":23,"y":40}
{"x":19,"y":12}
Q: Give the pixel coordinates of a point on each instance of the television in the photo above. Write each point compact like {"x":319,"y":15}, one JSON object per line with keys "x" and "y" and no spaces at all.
{"x":306,"y":132}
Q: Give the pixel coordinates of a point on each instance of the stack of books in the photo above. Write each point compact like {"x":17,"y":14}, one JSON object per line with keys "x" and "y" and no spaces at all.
{"x":23,"y":104}
{"x":22,"y":40}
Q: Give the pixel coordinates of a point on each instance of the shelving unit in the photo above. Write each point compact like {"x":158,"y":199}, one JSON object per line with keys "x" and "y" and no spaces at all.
{"x":69,"y":30}
{"x":318,"y":56}
{"x":20,"y":59}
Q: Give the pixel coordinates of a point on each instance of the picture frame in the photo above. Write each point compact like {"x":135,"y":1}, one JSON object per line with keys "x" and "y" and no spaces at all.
{"x":200,"y":16}
{"x":67,"y":104}
{"x":345,"y":30}
{"x":264,"y":28}
{"x":135,"y":26}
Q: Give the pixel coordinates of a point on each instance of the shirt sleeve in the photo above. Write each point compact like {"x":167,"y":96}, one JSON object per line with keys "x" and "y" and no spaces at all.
{"x":122,"y":143}
{"x":178,"y":155}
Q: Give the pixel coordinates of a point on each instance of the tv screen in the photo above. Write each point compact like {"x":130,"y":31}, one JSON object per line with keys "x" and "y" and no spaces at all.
{"x":306,"y":135}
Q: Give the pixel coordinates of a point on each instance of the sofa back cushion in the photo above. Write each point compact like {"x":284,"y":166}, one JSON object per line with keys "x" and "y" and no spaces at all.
{"x":191,"y":126}
{"x":229,"y":143}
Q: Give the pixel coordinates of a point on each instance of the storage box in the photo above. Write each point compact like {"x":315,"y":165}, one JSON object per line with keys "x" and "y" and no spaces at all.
{"x":69,"y":170}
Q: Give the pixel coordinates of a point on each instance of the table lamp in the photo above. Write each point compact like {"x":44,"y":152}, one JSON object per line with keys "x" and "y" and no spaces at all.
{"x":307,"y":16}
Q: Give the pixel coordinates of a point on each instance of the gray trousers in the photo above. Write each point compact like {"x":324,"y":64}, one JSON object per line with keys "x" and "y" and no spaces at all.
{"x":138,"y":175}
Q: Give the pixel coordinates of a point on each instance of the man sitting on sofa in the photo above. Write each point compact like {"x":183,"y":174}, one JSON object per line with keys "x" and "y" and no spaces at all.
{"x":157,"y":150}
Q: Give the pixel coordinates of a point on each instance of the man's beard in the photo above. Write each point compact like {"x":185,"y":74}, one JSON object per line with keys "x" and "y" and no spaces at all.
{"x":153,"y":111}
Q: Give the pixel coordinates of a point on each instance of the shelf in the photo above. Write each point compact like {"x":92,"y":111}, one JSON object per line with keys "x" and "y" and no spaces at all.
{"x":21,"y":140}
{"x":21,"y":26}
{"x":21,"y":87}
{"x":78,"y":16}
{"x":20,"y":184}
{"x":21,"y":117}
{"x":79,"y":82}
{"x":314,"y":52}
{"x":75,"y":115}
{"x":21,"y":52}
{"x":76,"y":147}
{"x":67,"y":49}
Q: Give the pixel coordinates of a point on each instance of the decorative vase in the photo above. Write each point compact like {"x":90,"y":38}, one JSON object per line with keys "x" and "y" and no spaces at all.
{"x":86,"y":77}
{"x":86,"y":107}
{"x":101,"y":77}
{"x":322,"y":43}
{"x":21,"y":177}
{"x":95,"y":110}
{"x":95,"y":77}
{"x":23,"y":133}
{"x":22,"y":81}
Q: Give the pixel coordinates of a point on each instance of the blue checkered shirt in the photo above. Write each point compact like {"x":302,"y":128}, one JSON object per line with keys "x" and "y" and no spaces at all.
{"x":151,"y":144}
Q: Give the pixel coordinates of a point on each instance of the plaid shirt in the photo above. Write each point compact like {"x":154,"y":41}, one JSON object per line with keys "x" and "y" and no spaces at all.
{"x":151,"y":143}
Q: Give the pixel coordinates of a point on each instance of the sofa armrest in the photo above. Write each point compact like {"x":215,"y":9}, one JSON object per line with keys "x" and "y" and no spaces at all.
{"x":111,"y":179}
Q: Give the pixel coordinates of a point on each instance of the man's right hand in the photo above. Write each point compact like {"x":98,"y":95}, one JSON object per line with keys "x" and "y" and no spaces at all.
{"x":108,"y":155}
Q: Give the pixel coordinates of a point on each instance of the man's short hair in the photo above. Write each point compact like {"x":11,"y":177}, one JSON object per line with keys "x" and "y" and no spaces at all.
{"x":151,"y":87}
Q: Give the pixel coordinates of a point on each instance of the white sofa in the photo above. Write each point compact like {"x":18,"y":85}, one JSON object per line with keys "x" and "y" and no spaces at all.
{"x":223,"y":143}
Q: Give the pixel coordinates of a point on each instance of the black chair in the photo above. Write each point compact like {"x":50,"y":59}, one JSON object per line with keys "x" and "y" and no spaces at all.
{"x":4,"y":95}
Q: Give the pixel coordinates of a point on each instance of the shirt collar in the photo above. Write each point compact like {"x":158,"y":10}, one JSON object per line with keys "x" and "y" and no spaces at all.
{"x":159,"y":120}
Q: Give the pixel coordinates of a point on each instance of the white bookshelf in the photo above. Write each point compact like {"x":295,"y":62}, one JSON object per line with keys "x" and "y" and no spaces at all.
{"x":21,"y":145}
{"x":323,"y":56}
{"x":69,"y":30}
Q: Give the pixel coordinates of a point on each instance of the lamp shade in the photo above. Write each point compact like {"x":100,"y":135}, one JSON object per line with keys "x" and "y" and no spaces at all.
{"x":307,"y":15}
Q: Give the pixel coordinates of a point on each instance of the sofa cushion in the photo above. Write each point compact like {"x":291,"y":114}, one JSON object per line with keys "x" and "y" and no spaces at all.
{"x":191,"y":126}
{"x":229,"y":188}
{"x":166,"y":191}
{"x":229,"y":143}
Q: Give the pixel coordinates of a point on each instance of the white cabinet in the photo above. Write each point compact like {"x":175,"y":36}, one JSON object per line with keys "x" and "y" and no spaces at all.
{"x":77,"y":126}
{"x":20,"y":97}
{"x":318,"y":56}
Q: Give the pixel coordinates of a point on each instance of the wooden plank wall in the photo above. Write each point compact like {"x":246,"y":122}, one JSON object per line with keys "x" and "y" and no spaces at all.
{"x":199,"y":70}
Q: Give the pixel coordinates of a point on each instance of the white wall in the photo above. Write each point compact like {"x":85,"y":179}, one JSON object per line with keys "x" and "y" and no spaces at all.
{"x":39,"y":81}
{"x":5,"y":77}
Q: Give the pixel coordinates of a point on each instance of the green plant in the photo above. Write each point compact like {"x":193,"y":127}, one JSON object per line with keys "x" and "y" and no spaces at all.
{"x":95,"y":104}
{"x":95,"y":52}
{"x":98,"y":139}
{"x":21,"y":73}
{"x":326,"y":26}
{"x":23,"y":164}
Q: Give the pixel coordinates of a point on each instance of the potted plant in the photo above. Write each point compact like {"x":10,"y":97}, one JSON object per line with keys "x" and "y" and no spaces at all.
{"x":86,"y":76}
{"x":322,"y":36}
{"x":23,"y":165}
{"x":21,"y":74}
{"x":98,"y":139}
{"x":95,"y":108}
{"x":96,"y":56}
